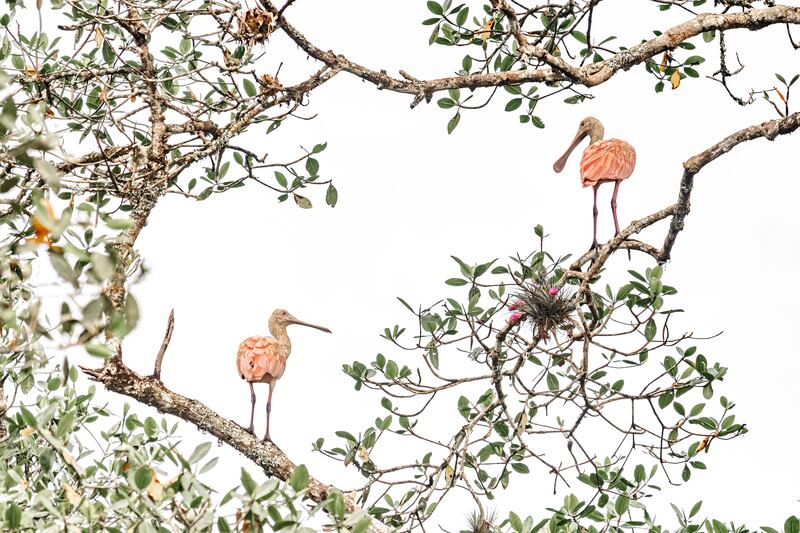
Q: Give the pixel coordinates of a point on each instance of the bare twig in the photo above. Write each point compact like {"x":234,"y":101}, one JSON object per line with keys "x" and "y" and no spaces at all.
{"x":164,"y":345}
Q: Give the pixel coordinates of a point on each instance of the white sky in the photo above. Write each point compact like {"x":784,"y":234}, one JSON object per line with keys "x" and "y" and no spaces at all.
{"x":410,"y":196}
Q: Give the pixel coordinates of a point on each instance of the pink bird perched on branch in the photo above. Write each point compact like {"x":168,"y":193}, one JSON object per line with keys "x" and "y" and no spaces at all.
{"x":263,"y":359}
{"x":603,"y":161}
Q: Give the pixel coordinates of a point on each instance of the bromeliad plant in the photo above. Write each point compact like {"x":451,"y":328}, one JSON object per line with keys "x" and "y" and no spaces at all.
{"x":544,"y":306}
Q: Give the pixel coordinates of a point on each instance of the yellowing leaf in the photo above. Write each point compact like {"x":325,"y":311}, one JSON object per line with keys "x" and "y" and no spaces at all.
{"x":449,"y":474}
{"x":675,"y":79}
{"x":42,"y":222}
{"x":72,"y":496}
{"x":523,"y":422}
{"x":664,"y":59}
{"x":98,"y":37}
{"x":155,"y":490}
{"x":302,"y":201}
{"x":363,"y":455}
{"x":486,"y":32}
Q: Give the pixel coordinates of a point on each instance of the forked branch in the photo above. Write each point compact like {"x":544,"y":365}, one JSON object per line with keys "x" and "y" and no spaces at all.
{"x":557,"y":69}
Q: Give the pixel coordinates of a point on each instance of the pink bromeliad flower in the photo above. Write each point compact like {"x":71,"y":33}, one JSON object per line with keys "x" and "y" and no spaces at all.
{"x":514,"y":317}
{"x":513,"y":306}
{"x":553,"y":291}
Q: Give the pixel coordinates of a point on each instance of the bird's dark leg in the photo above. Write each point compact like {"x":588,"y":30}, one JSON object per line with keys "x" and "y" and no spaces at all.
{"x":594,"y":216}
{"x":269,"y":410}
{"x":250,"y":428}
{"x":614,"y":213}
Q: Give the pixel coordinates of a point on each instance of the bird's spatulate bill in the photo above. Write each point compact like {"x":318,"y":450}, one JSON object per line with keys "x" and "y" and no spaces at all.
{"x":558,"y":166}
{"x":308,"y":324}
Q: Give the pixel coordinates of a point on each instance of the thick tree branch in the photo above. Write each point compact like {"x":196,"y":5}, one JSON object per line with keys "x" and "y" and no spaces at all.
{"x":768,"y":130}
{"x":588,"y":75}
{"x":120,"y":379}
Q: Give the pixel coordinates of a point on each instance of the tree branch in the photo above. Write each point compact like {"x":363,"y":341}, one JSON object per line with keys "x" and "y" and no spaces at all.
{"x":117,"y":377}
{"x":769,"y":130}
{"x":678,"y":211}
{"x":164,"y":345}
{"x":588,"y":75}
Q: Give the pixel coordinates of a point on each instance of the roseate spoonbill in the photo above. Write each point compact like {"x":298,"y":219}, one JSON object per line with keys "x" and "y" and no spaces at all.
{"x":602,"y":161}
{"x":263,"y":359}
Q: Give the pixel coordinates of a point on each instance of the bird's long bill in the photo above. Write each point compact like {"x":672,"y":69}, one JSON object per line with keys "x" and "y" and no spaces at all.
{"x":558,"y":166}
{"x":301,"y":323}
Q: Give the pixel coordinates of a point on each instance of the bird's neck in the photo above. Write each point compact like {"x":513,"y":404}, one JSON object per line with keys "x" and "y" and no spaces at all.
{"x":279,"y":332}
{"x":595,"y":136}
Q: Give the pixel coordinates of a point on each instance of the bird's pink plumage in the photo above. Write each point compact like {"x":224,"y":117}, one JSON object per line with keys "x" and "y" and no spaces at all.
{"x":609,"y":160}
{"x":260,"y":359}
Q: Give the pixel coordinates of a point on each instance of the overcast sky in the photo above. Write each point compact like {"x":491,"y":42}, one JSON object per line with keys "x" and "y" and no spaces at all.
{"x":410,"y":196}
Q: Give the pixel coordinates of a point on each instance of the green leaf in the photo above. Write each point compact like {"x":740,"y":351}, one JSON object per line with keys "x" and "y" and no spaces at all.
{"x":223,"y":526}
{"x":639,"y":474}
{"x":362,"y":525}
{"x":515,"y":521}
{"x":435,"y":8}
{"x":119,"y":223}
{"x":650,"y":330}
{"x":792,"y":525}
{"x":331,"y":196}
{"x":456,"y":282}
{"x":453,"y":122}
{"x":513,"y":104}
{"x":391,"y":369}
{"x":49,"y":173}
{"x":249,"y":87}
{"x":13,"y":516}
{"x":552,"y":382}
{"x":143,"y":477}
{"x":621,"y":505}
{"x":247,"y":482}
{"x":522,"y":468}
{"x":299,"y":478}
{"x":108,"y":52}
{"x":199,"y":453}
{"x":312,"y":166}
{"x":445,"y":103}
{"x":98,"y":350}
{"x":28,"y":417}
{"x":63,"y":268}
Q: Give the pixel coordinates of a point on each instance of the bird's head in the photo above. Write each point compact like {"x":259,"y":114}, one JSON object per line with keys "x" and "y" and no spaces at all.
{"x":589,"y":127}
{"x":283,"y":318}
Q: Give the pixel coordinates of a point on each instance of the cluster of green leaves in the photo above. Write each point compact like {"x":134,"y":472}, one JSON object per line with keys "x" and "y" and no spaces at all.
{"x":491,"y":49}
{"x":455,"y":338}
{"x":199,"y":76}
{"x":671,"y":69}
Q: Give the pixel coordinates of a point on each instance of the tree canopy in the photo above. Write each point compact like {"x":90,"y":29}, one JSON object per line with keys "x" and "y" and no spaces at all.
{"x":531,"y":364}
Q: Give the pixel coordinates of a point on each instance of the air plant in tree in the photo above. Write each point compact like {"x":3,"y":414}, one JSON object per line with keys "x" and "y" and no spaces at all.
{"x":478,"y":522}
{"x":543,"y":305}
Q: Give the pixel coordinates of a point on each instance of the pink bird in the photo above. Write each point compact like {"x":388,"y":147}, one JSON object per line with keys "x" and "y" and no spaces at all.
{"x":263,"y":359}
{"x":603,"y":161}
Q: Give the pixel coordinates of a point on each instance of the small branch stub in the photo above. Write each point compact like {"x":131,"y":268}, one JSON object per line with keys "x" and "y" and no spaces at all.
{"x":167,"y":337}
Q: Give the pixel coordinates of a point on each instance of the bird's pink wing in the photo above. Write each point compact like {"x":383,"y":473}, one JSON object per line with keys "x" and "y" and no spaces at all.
{"x":259,"y":359}
{"x":612,"y":159}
